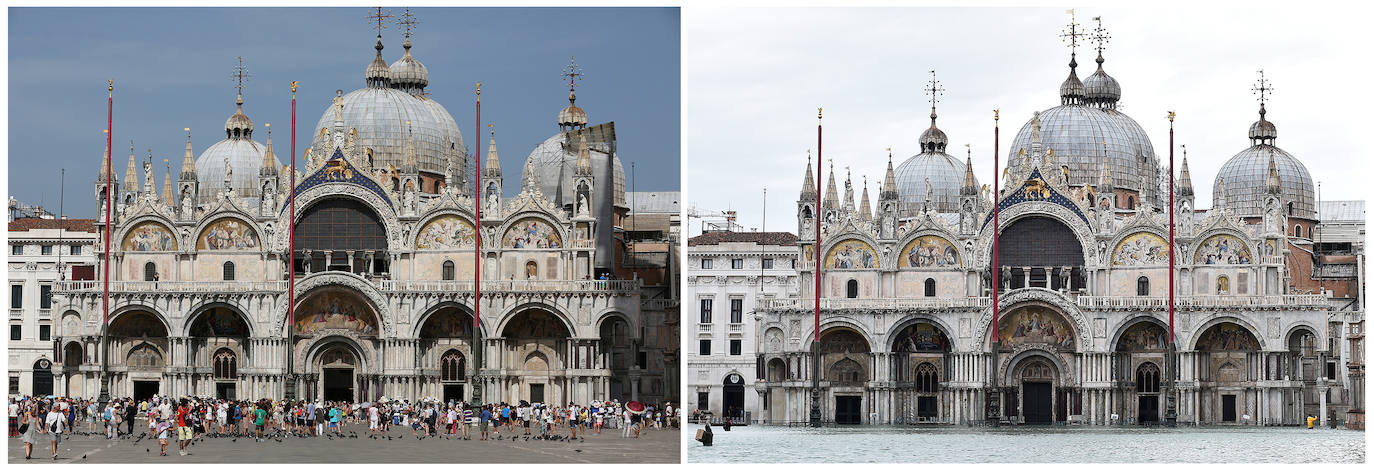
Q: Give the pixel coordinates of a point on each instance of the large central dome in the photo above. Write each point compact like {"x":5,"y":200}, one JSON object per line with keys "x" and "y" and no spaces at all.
{"x":380,"y":112}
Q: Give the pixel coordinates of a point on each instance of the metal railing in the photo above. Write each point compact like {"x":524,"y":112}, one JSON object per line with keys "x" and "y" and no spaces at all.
{"x":171,"y":286}
{"x":514,"y":285}
{"x":915,"y":302}
{"x":1083,"y":301}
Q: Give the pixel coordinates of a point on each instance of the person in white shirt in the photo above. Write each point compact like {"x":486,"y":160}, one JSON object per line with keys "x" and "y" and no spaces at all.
{"x":55,"y":424}
{"x":372,"y":417}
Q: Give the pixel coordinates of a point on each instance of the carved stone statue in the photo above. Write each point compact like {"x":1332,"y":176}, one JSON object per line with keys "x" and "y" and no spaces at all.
{"x":338,"y":105}
{"x":582,"y":208}
{"x":1065,"y":275}
{"x":186,"y":204}
{"x":228,"y":174}
{"x":148,"y":175}
{"x":1006,"y":277}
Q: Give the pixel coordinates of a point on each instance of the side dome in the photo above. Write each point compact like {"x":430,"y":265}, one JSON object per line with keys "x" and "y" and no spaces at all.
{"x":1075,"y":133}
{"x":244,"y":156}
{"x":408,"y":74}
{"x":1245,"y":174}
{"x":572,"y":117}
{"x":946,"y":176}
{"x":554,"y":162}
{"x":380,"y":115}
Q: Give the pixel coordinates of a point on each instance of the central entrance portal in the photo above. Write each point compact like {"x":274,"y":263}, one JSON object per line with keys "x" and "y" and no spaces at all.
{"x":1149,"y":409}
{"x":1037,"y":402}
{"x":732,"y":398}
{"x":847,"y":410}
{"x":338,"y":384}
{"x":536,"y":393}
{"x":145,"y":389}
{"x":225,"y":391}
{"x":453,"y":393}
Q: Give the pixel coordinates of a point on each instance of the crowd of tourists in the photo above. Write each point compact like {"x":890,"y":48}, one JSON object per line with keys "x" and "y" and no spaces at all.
{"x":39,"y":421}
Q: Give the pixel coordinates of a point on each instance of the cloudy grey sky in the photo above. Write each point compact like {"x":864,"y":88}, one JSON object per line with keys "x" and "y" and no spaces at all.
{"x":756,"y":77}
{"x":172,"y":70}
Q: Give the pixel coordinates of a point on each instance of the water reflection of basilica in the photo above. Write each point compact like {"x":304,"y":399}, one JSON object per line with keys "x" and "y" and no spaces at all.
{"x":385,"y":235}
{"x":906,"y":310}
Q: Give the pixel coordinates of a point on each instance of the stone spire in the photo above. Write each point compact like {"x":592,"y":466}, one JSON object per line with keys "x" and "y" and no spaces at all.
{"x":848,"y":192}
{"x":131,"y":174}
{"x":188,"y":162}
{"x":409,"y":164}
{"x":584,"y":157}
{"x":865,"y":210}
{"x":1272,"y":183}
{"x":104,"y":167}
{"x":492,"y":167}
{"x":889,"y":191}
{"x":1104,"y":181}
{"x":832,"y":198}
{"x":269,"y":159}
{"x":970,"y":183}
{"x":167,"y":184}
{"x":808,"y":191}
{"x":1185,"y":181}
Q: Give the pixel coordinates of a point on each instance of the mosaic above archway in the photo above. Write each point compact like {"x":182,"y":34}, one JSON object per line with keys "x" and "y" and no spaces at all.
{"x":851,"y":254}
{"x":448,"y":323}
{"x":531,"y":233}
{"x":1141,"y":249}
{"x":921,"y":337}
{"x":227,"y":234}
{"x":1035,"y":324}
{"x":536,"y":324}
{"x":1227,"y":337}
{"x":335,"y":309}
{"x":1222,"y":249}
{"x":446,"y":232}
{"x":137,"y":324}
{"x":219,"y":321}
{"x":843,"y":341}
{"x":1143,"y":337}
{"x":928,"y":251}
{"x":149,"y":236}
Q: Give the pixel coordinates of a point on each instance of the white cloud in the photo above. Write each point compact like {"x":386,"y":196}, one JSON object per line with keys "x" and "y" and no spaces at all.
{"x":756,"y":77}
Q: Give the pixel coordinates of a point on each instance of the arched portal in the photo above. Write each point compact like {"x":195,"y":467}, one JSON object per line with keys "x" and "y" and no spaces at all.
{"x":1225,"y":351}
{"x":1035,"y":379}
{"x":732,"y":396}
{"x":340,"y":234}
{"x":445,"y":343}
{"x":919,"y":357}
{"x":618,"y":347}
{"x":776,"y":398}
{"x":845,"y":355}
{"x":42,"y":377}
{"x":1041,"y":252}
{"x":217,"y":335}
{"x":138,"y":339}
{"x":335,"y":309}
{"x":535,"y":341}
{"x":336,"y":366}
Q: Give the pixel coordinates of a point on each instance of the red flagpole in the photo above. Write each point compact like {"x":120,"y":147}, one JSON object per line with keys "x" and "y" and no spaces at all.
{"x":109,"y":196}
{"x":291,"y":269}
{"x":1171,"y":227}
{"x":477,"y":249}
{"x":996,"y":185}
{"x":819,"y":210}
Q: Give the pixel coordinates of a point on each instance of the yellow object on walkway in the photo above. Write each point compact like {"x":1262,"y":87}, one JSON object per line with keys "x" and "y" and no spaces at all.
{"x":1310,"y":420}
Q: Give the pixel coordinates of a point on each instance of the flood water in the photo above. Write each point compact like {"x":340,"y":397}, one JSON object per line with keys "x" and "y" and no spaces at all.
{"x":1050,"y":444}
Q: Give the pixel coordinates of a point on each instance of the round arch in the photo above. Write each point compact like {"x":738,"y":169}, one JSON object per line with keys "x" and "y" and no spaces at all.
{"x":127,"y":228}
{"x":329,"y":307}
{"x":1137,"y":241}
{"x":851,"y":240}
{"x":352,"y":281}
{"x":435,"y":214}
{"x":523,"y":216}
{"x":323,"y":344}
{"x":913,"y":319}
{"x":610,"y":314}
{"x":1032,"y":209}
{"x":839,"y":322}
{"x":1035,"y":296}
{"x":316,"y":195}
{"x":1133,"y":320}
{"x":1010,"y":369}
{"x":203,"y":309}
{"x":119,"y":313}
{"x":1198,"y":247}
{"x":214,"y":221}
{"x":1302,"y":325}
{"x":941,"y":240}
{"x":419,"y":324}
{"x":510,"y":313}
{"x":1247,"y":326}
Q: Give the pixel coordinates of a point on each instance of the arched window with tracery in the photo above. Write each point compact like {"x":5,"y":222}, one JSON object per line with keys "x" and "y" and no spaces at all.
{"x":144,"y":356}
{"x":1147,"y":378}
{"x":927,"y":378}
{"x":452,"y":366}
{"x":226,"y":364}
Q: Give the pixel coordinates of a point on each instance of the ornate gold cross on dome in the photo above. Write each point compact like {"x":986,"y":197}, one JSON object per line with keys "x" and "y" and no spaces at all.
{"x":407,"y":21}
{"x":934,"y":90}
{"x":1100,"y":35}
{"x":379,"y":15}
{"x":572,"y":73}
{"x":1262,"y":87}
{"x":1071,"y":33}
{"x":240,"y":73}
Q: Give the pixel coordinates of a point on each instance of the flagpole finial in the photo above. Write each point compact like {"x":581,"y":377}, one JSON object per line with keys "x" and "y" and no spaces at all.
{"x":294,"y":84}
{"x":996,"y":114}
{"x":818,"y":114}
{"x":479,"y":88}
{"x":110,"y":88}
{"x":1171,"y":119}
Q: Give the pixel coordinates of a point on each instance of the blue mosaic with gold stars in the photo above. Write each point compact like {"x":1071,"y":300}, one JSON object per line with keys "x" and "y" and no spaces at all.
{"x":338,"y":170}
{"x":1035,"y":188}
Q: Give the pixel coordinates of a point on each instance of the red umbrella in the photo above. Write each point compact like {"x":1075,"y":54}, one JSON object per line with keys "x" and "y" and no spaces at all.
{"x":635,"y":407}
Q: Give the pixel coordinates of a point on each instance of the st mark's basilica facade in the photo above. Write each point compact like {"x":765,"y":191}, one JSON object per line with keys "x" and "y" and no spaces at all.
{"x":906,"y":312}
{"x":384,"y":259}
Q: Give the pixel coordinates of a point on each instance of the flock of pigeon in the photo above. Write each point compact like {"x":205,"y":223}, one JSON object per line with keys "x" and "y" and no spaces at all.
{"x":282,"y":436}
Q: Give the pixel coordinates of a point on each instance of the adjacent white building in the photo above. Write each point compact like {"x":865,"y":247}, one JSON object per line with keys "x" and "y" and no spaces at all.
{"x":41,"y":252}
{"x":730,"y":273}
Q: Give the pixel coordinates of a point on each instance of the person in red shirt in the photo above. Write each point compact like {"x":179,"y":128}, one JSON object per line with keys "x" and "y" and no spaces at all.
{"x":183,"y":430}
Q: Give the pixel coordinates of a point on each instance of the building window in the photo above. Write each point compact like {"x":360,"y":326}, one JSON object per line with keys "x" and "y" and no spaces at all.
{"x":226,"y":364}
{"x":736,"y":310}
{"x":76,"y":249}
{"x":705,"y":310}
{"x":1142,"y":286}
{"x":14,"y":385}
{"x":930,"y":287}
{"x":228,"y":270}
{"x":45,"y":296}
{"x":16,"y":332}
{"x":1330,"y":371}
{"x":1147,"y":378}
{"x":16,"y":296}
{"x":642,"y":359}
{"x":16,"y":250}
{"x":1297,"y":232}
{"x":1130,"y":202}
{"x":452,"y":367}
{"x":768,"y":263}
{"x":794,"y":263}
{"x":706,"y":263}
{"x":703,"y":398}
{"x":1223,"y":285}
{"x":704,"y":348}
{"x":448,"y":270}
{"x":737,"y":263}
{"x":47,"y":249}
{"x":852,"y":289}
{"x":149,"y":270}
{"x":927,"y":378}
{"x":736,"y":347}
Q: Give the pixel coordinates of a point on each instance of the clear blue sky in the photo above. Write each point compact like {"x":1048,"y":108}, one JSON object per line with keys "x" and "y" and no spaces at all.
{"x":172,"y":70}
